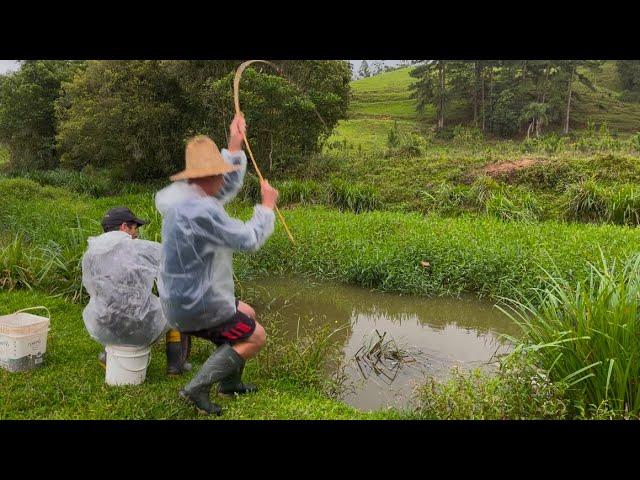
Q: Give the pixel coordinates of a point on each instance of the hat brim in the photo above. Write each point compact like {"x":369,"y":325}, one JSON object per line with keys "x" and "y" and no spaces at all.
{"x":135,"y":220}
{"x":201,"y":173}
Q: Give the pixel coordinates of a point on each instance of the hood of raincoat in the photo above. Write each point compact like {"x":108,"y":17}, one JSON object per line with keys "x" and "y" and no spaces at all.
{"x":118,"y":273}
{"x":198,"y":240}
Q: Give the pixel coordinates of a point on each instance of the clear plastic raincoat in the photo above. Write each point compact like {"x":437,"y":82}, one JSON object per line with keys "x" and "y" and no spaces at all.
{"x":198,"y":240}
{"x":118,"y":273}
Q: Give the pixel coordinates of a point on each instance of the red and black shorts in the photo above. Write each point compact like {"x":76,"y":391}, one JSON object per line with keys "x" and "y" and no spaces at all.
{"x":236,"y":329}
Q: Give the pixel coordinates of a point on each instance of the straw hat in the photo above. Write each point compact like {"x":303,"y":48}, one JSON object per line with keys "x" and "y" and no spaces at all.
{"x":203,"y":159}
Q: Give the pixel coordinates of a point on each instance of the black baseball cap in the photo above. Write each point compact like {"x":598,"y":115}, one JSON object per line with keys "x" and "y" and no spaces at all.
{"x":119,"y":215}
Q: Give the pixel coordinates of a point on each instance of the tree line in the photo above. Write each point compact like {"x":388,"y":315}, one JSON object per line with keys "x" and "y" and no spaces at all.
{"x":507,"y":97}
{"x":133,"y":116}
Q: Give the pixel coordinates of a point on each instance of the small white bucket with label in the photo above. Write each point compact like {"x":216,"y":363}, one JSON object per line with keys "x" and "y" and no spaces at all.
{"x":23,"y":339}
{"x":127,"y":365}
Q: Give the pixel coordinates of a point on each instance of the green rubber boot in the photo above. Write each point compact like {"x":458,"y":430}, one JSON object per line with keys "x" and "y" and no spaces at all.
{"x":223,"y":363}
{"x":232,"y":385}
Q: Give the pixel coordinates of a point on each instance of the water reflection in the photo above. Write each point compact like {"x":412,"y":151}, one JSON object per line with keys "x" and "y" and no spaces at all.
{"x":438,"y":333}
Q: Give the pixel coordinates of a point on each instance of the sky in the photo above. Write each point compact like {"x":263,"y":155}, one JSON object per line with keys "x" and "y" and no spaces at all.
{"x":8,"y":66}
{"x":357,"y":63}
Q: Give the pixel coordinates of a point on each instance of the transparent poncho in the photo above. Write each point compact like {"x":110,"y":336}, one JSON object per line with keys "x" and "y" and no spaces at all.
{"x":118,"y":273}
{"x":198,"y":240}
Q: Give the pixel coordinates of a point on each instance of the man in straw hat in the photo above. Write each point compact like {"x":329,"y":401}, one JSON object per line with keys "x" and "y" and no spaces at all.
{"x":196,"y":273}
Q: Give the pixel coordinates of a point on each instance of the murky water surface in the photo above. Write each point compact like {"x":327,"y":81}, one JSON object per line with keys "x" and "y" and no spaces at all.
{"x":390,"y":343}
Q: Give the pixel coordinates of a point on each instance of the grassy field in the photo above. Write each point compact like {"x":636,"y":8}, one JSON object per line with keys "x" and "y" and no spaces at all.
{"x":386,"y":95}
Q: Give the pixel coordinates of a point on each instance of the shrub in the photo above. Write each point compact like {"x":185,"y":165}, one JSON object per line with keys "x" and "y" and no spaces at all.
{"x":411,"y":144}
{"x":524,"y":208}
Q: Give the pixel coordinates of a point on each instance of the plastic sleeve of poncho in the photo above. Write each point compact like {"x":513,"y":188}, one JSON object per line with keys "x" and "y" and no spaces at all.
{"x":242,"y":236}
{"x":232,"y":182}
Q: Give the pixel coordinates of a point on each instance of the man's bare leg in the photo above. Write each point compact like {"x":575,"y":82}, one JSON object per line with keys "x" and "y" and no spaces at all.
{"x":251,"y":346}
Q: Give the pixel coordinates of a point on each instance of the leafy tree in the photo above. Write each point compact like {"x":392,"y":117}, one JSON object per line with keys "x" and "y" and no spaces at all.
{"x":127,"y":115}
{"x":27,"y":112}
{"x":535,"y":114}
{"x":134,"y":116}
{"x":505,"y":113}
{"x":377,"y":67}
{"x":287,"y":121}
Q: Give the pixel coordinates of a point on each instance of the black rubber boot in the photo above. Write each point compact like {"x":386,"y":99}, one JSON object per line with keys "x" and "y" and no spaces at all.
{"x":185,"y":342}
{"x":232,"y":385}
{"x":223,"y":363}
{"x":177,"y":352}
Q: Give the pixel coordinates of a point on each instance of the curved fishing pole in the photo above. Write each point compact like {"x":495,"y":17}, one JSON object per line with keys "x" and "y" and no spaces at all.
{"x":279,"y":71}
{"x":236,"y":98}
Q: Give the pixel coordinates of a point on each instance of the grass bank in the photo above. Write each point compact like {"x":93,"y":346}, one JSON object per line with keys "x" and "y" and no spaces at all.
{"x":383,"y":250}
{"x":71,"y":383}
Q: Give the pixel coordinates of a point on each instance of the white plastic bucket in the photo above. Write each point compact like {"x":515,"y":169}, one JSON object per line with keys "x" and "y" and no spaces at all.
{"x":23,"y":340}
{"x":127,"y":365}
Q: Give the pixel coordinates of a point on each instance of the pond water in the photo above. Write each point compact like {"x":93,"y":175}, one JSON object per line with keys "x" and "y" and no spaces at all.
{"x":390,"y":343}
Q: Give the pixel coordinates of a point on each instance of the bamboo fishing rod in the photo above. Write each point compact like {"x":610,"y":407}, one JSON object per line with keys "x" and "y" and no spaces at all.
{"x":236,"y":97}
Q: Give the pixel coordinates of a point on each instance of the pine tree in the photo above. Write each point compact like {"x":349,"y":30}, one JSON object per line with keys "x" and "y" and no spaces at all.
{"x":364,"y":71}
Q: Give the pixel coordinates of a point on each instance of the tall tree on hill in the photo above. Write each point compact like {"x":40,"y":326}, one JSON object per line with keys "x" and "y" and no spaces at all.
{"x":571,"y":73}
{"x":430,"y":87}
{"x":629,"y":74}
{"x":364,"y":71}
{"x":377,"y":67}
{"x":442,"y":92}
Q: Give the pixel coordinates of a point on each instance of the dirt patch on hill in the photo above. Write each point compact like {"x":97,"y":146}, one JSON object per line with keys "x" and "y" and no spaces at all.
{"x":507,"y":168}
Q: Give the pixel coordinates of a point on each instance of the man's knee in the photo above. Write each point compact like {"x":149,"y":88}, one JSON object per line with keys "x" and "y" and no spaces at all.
{"x":247,"y":310}
{"x":259,"y":336}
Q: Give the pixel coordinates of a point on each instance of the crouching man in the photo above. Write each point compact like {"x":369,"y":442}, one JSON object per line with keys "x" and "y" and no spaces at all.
{"x":196,"y":274}
{"x":118,"y":272}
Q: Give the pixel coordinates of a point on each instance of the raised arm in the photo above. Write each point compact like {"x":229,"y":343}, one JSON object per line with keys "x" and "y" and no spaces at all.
{"x":233,"y":154}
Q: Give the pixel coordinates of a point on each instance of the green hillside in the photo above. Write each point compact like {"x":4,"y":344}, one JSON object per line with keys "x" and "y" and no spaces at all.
{"x":387,"y":96}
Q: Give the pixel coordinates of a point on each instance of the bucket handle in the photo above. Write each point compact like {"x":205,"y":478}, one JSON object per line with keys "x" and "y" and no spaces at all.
{"x":41,"y":307}
{"x":139,"y":369}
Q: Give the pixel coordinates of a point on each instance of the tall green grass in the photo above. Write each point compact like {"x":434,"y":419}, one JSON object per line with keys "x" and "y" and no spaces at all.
{"x":586,"y":334}
{"x":305,"y":192}
{"x":517,"y":391}
{"x":355,"y":197}
{"x":17,"y":267}
{"x":591,"y":202}
{"x":377,"y":249}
